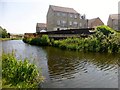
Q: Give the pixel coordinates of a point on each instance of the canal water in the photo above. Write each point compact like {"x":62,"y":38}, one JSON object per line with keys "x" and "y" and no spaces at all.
{"x":69,"y":69}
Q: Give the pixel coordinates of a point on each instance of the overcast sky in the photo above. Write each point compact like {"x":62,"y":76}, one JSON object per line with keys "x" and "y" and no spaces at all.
{"x":21,"y":16}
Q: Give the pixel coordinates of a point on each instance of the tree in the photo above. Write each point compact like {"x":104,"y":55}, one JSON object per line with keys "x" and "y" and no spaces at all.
{"x":3,"y":33}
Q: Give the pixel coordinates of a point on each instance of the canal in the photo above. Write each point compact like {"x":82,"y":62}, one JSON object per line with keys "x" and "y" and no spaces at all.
{"x":68,"y":69}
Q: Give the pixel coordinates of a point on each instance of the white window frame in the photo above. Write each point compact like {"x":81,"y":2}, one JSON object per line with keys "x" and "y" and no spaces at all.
{"x":80,"y":24}
{"x":64,"y":23}
{"x":70,"y":23}
{"x":75,"y":23}
{"x":58,"y":22}
{"x":75,"y":16}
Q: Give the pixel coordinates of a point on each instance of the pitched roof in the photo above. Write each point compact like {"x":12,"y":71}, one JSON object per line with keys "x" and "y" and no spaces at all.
{"x":41,"y":25}
{"x":92,"y":20}
{"x":114,"y":16}
{"x":63,"y":9}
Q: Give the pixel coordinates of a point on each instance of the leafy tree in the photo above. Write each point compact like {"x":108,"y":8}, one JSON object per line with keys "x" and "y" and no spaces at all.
{"x":3,"y":33}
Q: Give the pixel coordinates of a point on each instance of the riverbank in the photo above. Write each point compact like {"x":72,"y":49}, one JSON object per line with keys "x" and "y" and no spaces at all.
{"x":19,"y":73}
{"x":68,"y":69}
{"x":104,"y":40}
{"x":4,"y":39}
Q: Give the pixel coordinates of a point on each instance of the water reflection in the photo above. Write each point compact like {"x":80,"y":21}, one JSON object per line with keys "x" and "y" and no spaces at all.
{"x":64,"y":64}
{"x":69,"y":69}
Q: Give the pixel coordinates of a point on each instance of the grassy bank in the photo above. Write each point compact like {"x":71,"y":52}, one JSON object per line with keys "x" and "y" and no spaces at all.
{"x":18,"y":73}
{"x":104,"y":40}
{"x":4,"y":39}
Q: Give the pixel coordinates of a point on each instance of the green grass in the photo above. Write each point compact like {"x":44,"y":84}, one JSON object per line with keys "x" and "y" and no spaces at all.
{"x":4,"y":39}
{"x":19,"y":73}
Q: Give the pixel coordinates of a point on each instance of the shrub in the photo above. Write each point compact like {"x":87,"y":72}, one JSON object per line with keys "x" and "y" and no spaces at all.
{"x":35,"y":41}
{"x":104,"y":40}
{"x":40,"y":41}
{"x":105,"y":30}
{"x":27,"y":40}
{"x":44,"y":40}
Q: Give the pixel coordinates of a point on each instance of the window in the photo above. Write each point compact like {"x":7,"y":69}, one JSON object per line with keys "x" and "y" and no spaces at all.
{"x":71,"y":15}
{"x":115,"y":22}
{"x":58,"y":14}
{"x":75,"y":23}
{"x":80,"y":17}
{"x":64,"y":23}
{"x":63,"y":14}
{"x":75,"y":16}
{"x":70,"y":23}
{"x":58,"y":22}
{"x":80,"y":24}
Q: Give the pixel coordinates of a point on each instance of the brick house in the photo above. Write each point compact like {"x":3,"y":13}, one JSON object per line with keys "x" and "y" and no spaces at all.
{"x":59,"y":18}
{"x":40,"y":26}
{"x":113,"y":21}
{"x":92,"y":23}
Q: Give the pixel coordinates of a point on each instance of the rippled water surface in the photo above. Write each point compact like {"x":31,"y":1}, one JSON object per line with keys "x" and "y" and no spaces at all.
{"x":69,"y":69}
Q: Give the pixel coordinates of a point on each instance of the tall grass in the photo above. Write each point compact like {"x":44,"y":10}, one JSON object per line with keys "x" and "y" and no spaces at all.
{"x":18,"y":73}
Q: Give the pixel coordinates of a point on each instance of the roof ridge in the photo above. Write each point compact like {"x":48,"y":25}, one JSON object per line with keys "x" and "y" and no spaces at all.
{"x":61,"y":6}
{"x":63,"y":9}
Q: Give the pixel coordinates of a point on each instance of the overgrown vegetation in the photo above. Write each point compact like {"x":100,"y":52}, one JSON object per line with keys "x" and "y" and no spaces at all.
{"x":104,"y":40}
{"x":18,"y":73}
{"x":43,"y":41}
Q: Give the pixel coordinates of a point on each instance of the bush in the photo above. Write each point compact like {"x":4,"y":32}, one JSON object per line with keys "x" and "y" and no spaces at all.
{"x":105,"y":30}
{"x":44,"y":40}
{"x":40,"y":41}
{"x":20,"y":74}
{"x":27,"y":40}
{"x":104,"y":40}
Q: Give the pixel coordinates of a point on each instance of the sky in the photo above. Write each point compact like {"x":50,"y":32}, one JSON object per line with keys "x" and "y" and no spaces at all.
{"x":21,"y":16}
